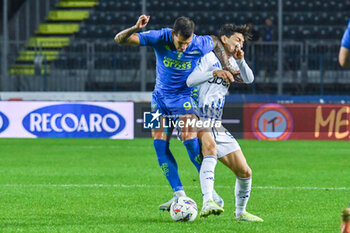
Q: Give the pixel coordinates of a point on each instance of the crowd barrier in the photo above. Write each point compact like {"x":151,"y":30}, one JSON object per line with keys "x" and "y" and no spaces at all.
{"x":125,"y":120}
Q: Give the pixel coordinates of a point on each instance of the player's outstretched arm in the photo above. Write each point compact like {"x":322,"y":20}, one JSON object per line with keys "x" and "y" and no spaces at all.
{"x":128,"y":36}
{"x":220,"y":52}
{"x":344,"y":57}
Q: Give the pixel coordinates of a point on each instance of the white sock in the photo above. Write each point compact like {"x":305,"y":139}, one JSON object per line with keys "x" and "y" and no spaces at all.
{"x":206,"y":176}
{"x":242,"y":193}
{"x":180,"y":193}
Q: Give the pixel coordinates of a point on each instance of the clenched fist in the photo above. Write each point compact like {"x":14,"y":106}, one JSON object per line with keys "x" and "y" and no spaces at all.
{"x":142,"y":21}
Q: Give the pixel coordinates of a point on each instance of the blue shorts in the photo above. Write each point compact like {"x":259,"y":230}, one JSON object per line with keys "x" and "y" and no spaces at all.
{"x":174,"y":106}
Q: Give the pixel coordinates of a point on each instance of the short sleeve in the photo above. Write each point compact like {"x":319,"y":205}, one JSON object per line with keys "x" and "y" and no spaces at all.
{"x":149,"y":37}
{"x":205,"y":43}
{"x":345,"y":42}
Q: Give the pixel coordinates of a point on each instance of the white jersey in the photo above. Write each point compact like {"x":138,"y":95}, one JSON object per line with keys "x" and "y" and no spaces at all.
{"x":212,"y":90}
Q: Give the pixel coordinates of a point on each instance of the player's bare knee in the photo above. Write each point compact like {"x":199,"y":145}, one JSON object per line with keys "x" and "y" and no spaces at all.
{"x":246,"y":172}
{"x":188,"y":134}
{"x":209,"y":148}
{"x":188,"y":126}
{"x":159,"y":135}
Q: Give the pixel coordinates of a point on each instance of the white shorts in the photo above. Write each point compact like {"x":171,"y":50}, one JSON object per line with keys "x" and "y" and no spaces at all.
{"x":225,"y":142}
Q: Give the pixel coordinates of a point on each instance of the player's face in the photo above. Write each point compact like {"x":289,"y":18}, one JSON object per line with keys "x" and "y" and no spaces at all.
{"x":180,"y":42}
{"x":231,"y":43}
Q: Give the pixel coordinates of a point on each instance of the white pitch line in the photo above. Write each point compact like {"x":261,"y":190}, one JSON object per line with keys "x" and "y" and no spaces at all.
{"x":302,"y":188}
{"x":163,"y":186}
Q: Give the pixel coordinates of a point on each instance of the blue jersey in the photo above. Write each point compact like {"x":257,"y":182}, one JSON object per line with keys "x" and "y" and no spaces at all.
{"x":174,"y":67}
{"x":345,"y":42}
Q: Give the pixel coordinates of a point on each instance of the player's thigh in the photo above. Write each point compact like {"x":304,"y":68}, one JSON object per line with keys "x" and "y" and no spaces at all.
{"x":237,"y":163}
{"x":184,"y":108}
{"x":208,"y":145}
{"x":229,"y":152}
{"x":163,"y":133}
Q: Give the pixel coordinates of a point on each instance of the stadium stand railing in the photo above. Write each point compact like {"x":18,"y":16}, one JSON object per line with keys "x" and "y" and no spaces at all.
{"x":104,"y":66}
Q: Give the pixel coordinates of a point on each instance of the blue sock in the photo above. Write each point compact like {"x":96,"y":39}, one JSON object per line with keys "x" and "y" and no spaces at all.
{"x":168,"y":164}
{"x":194,"y":151}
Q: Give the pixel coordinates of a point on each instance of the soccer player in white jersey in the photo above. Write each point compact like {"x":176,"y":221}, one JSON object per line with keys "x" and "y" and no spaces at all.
{"x":213,"y":84}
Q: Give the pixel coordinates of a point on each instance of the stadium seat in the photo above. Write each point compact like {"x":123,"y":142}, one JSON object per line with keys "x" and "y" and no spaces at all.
{"x":48,"y":42}
{"x":22,"y":69}
{"x":30,"y":55}
{"x":77,"y":4}
{"x":58,"y":29}
{"x":67,"y":15}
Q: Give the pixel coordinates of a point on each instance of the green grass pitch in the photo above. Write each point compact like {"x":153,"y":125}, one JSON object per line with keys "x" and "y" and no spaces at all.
{"x":99,"y":185}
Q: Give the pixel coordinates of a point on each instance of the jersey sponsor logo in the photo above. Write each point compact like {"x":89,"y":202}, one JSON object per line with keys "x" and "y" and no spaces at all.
{"x":4,"y":122}
{"x":177,"y":64}
{"x":218,"y":80}
{"x":74,"y":121}
{"x":272,"y":122}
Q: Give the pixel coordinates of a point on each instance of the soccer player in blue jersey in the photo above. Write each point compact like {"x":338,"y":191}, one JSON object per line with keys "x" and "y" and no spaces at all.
{"x":344,"y":56}
{"x":177,"y":51}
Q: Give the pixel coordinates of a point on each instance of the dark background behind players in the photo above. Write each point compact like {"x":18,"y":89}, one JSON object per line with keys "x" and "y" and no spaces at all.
{"x":89,"y":61}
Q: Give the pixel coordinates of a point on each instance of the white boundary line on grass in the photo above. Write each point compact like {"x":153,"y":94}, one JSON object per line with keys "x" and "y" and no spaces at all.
{"x":162,"y":186}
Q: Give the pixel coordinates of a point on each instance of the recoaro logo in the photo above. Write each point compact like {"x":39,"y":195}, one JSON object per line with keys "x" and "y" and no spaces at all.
{"x":74,"y":121}
{"x":4,"y":122}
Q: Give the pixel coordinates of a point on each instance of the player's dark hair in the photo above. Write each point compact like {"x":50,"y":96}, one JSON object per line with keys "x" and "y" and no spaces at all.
{"x":230,"y":29}
{"x":184,"y":26}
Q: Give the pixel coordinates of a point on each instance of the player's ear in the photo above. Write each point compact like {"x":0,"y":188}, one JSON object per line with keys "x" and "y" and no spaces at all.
{"x":172,"y":33}
{"x":223,"y":39}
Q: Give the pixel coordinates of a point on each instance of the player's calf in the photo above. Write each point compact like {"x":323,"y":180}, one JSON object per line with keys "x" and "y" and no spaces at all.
{"x":190,"y":139}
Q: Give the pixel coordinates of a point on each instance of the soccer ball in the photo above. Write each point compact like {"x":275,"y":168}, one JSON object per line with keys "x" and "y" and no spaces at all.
{"x":184,"y":209}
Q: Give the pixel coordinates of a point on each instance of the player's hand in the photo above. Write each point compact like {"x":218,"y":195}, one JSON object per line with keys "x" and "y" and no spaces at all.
{"x":224,"y":74}
{"x":236,"y":75}
{"x":142,"y":21}
{"x":238,"y":53}
{"x":238,"y":78}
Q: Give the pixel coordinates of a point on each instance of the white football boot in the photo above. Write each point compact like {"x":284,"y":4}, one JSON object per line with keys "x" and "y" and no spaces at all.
{"x":210,"y":207}
{"x":218,"y":200}
{"x":248,"y":217}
